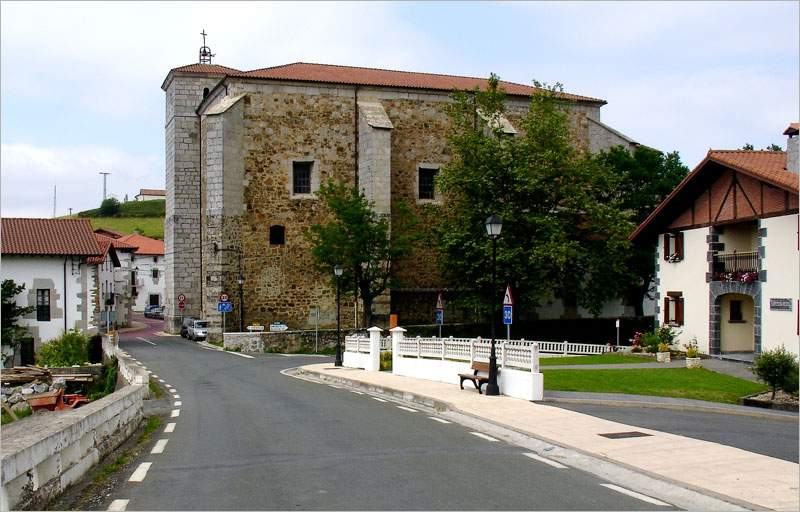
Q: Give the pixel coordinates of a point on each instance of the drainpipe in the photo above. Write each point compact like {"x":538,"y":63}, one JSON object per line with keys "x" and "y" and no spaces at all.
{"x":200,"y":188}
{"x":355,"y":126}
{"x":65,"y":293}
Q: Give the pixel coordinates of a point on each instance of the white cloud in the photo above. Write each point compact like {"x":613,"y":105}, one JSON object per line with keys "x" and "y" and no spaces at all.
{"x":30,"y":172}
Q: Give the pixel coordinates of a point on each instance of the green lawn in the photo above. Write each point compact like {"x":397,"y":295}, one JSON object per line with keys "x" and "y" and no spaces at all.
{"x":699,"y":384}
{"x":148,"y":226}
{"x":608,"y":358}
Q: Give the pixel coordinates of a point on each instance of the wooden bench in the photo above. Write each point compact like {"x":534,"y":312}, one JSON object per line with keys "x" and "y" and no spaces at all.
{"x":477,"y":380}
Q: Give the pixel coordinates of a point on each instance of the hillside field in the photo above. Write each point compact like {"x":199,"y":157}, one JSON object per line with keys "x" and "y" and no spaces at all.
{"x":147,"y":217}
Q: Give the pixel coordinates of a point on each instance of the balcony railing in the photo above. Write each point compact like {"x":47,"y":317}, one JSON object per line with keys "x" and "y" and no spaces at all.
{"x":736,"y":266}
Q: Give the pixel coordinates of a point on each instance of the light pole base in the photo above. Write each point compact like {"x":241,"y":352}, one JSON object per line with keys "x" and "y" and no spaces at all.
{"x":492,"y":390}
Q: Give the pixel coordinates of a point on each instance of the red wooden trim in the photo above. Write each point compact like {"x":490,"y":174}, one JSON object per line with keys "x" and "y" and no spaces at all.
{"x":724,"y":200}
{"x":679,"y":244}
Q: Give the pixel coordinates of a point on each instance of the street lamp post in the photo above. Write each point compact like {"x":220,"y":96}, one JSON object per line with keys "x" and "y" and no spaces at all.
{"x":494,"y":224}
{"x":337,"y":271}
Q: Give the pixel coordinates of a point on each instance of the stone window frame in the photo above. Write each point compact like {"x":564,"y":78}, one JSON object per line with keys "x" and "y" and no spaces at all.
{"x":437,"y":199}
{"x":314,"y":177}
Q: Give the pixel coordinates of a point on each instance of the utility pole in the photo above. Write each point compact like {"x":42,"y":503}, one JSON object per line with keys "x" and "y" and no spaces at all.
{"x":54,"y":201}
{"x":105,"y":176}
{"x":70,"y":212}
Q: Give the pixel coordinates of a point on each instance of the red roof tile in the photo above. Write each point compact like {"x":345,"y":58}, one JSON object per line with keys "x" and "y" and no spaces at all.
{"x":793,"y":129}
{"x":145,"y":244}
{"x":152,"y":192}
{"x":769,"y":166}
{"x":49,"y":237}
{"x":117,"y":243}
{"x":328,"y":73}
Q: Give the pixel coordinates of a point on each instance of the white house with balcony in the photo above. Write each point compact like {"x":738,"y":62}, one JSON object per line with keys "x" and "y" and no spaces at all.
{"x":146,"y":270}
{"x":728,"y":264}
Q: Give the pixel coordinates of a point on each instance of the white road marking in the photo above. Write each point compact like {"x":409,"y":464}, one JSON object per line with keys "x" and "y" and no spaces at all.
{"x":356,"y":392}
{"x":154,"y":375}
{"x":141,"y":472}
{"x":240,"y":355}
{"x":409,"y":409}
{"x":484,"y":436}
{"x":440,"y":420}
{"x":170,"y":428}
{"x":335,"y":387}
{"x":161,"y":380}
{"x":177,"y":403}
{"x":546,"y":461}
{"x":176,"y":396}
{"x":160,"y":445}
{"x":118,"y":505}
{"x":145,"y":340}
{"x":175,"y":413}
{"x":636,"y":495}
{"x":206,"y":348}
{"x":171,"y":390}
{"x":379,"y":399}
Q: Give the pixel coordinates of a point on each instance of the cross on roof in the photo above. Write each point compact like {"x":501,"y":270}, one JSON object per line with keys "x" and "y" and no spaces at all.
{"x":205,"y":51}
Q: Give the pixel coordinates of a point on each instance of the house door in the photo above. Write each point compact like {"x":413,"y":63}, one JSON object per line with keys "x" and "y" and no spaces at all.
{"x":737,"y":313}
{"x":155,"y":299}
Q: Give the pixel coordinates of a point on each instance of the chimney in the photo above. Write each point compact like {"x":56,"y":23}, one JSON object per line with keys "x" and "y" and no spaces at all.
{"x":792,"y":162}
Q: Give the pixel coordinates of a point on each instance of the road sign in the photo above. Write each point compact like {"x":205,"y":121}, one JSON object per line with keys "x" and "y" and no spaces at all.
{"x":507,"y":315}
{"x":439,"y":316}
{"x":224,"y":307}
{"x":508,"y":300}
{"x":181,"y":298}
{"x":439,"y":302}
{"x":181,"y":305}
{"x":223,"y":297}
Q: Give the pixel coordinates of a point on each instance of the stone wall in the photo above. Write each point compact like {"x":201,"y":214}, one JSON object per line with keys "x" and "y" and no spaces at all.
{"x":285,"y":342}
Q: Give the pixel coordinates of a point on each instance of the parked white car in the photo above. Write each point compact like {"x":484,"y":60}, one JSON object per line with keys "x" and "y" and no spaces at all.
{"x":198,"y":330}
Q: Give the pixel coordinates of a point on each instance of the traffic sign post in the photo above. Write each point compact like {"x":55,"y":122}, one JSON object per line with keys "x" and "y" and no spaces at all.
{"x":508,"y":311}
{"x":617,"y":333}
{"x":439,"y":313}
{"x":181,"y":305}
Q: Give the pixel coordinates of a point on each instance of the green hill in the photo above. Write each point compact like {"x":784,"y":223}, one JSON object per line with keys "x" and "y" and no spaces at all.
{"x":146,"y":217}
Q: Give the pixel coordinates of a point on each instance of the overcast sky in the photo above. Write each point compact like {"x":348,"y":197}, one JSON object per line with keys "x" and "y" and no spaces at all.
{"x":80,"y":82}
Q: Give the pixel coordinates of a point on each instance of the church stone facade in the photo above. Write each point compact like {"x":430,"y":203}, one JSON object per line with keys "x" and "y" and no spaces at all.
{"x":246,"y":153}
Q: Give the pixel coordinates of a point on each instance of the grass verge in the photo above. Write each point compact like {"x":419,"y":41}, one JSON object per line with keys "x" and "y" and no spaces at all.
{"x":608,"y":358}
{"x":698,"y":384}
{"x":20,"y":414}
{"x":155,"y":390}
{"x":216,"y":343}
{"x":153,"y":422}
{"x":125,"y":456}
{"x":148,"y":226}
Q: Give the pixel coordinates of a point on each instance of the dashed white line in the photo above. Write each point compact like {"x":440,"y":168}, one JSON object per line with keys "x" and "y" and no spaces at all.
{"x":175,"y":413}
{"x":160,"y":445}
{"x":440,"y":420}
{"x":141,"y":472}
{"x":155,"y":376}
{"x":335,"y":387}
{"x":145,"y":340}
{"x":379,"y":399}
{"x":169,"y":428}
{"x":171,"y":390}
{"x":636,"y":495}
{"x":118,"y":505}
{"x":176,"y":396}
{"x":409,"y":409}
{"x":240,"y":355}
{"x":356,"y":392}
{"x":161,"y":380}
{"x":177,"y":403}
{"x":545,"y":460}
{"x":484,"y":436}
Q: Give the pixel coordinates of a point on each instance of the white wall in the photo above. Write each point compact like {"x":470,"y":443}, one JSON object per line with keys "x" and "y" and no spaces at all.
{"x":46,"y":272}
{"x":145,"y":284}
{"x":687,"y":276}
{"x":782,"y":262}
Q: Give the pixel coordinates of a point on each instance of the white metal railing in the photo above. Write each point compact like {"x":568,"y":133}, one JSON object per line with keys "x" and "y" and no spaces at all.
{"x":358,"y":344}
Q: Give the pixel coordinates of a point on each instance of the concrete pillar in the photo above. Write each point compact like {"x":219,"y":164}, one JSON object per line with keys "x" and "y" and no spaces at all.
{"x":398,"y":334}
{"x":374,"y":349}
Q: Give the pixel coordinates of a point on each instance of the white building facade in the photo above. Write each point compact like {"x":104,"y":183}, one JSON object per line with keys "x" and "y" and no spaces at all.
{"x":145,"y":269}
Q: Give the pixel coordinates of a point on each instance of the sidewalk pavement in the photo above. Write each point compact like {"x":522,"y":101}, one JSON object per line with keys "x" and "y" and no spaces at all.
{"x":743,"y":477}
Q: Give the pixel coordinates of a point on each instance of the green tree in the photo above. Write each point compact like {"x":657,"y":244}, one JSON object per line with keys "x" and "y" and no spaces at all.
{"x":773,"y":147}
{"x":109,"y":207}
{"x":563,"y":228}
{"x":359,"y":240}
{"x":646,"y":177}
{"x":11,"y":332}
{"x":748,"y":147}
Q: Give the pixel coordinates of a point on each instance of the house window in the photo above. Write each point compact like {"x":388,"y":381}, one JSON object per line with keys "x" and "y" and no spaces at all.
{"x":134,"y":292}
{"x":277,"y":235}
{"x":673,"y":247}
{"x":43,"y":305}
{"x":736,"y":312}
{"x":427,"y":186}
{"x":155,"y":273}
{"x":133,"y":277}
{"x":673,"y":308}
{"x":205,"y":92}
{"x":301,"y":177}
{"x":155,"y":299}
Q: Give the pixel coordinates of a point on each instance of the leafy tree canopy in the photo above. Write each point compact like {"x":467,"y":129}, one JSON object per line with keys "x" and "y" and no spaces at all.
{"x":11,"y":332}
{"x":359,"y":240}
{"x":109,"y":207}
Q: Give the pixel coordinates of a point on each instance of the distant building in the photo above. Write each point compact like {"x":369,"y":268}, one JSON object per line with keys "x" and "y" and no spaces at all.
{"x":146,"y":267}
{"x":147,"y":194}
{"x":728,"y":258}
{"x":114,"y":304}
{"x":53,"y":258}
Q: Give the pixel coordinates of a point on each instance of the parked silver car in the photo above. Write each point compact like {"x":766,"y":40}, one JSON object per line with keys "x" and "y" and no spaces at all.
{"x":198,"y":330}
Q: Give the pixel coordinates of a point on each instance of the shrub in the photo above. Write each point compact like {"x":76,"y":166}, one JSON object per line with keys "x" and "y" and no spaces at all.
{"x":109,"y":207}
{"x":650,"y":342}
{"x":691,"y":349}
{"x":71,"y":348}
{"x":663,"y":347}
{"x":778,"y":368}
{"x":386,"y":361}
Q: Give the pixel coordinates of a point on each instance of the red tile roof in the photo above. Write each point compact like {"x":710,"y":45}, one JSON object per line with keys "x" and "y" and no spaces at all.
{"x":145,"y":244}
{"x":105,"y":244}
{"x":117,"y":243}
{"x":49,"y":237}
{"x":152,"y":192}
{"x":112,"y":233}
{"x":328,"y":73}
{"x":793,"y":129}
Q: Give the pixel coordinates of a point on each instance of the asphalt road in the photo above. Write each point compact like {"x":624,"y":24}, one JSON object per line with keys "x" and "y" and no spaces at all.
{"x":775,"y":438}
{"x":250,"y":438}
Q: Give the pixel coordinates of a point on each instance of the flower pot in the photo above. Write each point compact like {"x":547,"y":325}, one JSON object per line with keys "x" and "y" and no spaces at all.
{"x":663,"y":357}
{"x":693,"y":362}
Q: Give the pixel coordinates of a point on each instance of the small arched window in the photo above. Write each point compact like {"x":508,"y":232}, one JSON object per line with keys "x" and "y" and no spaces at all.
{"x":205,"y":92}
{"x":277,"y":235}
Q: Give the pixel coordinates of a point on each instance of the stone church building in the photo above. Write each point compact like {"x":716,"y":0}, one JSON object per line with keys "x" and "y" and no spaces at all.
{"x":246,"y":152}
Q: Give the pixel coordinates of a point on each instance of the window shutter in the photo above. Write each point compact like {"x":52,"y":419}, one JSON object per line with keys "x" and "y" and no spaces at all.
{"x":666,"y":246}
{"x":679,"y":310}
{"x":666,"y":311}
{"x":679,"y":244}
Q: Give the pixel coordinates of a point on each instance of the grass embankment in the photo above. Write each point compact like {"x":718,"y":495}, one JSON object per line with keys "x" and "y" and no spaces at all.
{"x":698,"y":384}
{"x":146,"y":217}
{"x":126,"y":455}
{"x":608,"y":358}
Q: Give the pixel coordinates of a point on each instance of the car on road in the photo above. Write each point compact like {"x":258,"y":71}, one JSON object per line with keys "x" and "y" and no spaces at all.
{"x":198,"y":330}
{"x":187,"y":321}
{"x":157,"y":313}
{"x":148,"y":311}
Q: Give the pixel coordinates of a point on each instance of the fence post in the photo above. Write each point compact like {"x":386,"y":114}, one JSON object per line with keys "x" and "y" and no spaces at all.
{"x":565,"y":347}
{"x":535,"y":357}
{"x":419,"y":348}
{"x":374,"y":349}
{"x":444,"y":348}
{"x":503,"y":355}
{"x":397,"y":337}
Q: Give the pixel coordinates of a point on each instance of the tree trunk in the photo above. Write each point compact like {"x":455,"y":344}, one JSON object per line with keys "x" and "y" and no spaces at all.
{"x":366,"y":298}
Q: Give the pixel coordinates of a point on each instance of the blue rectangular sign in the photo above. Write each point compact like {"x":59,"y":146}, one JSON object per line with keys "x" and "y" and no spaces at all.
{"x":507,"y":316}
{"x":439,"y":316}
{"x":224,"y":307}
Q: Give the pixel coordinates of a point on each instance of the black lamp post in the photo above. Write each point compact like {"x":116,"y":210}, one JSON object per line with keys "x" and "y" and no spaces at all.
{"x":493,"y":226}
{"x":337,"y":271}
